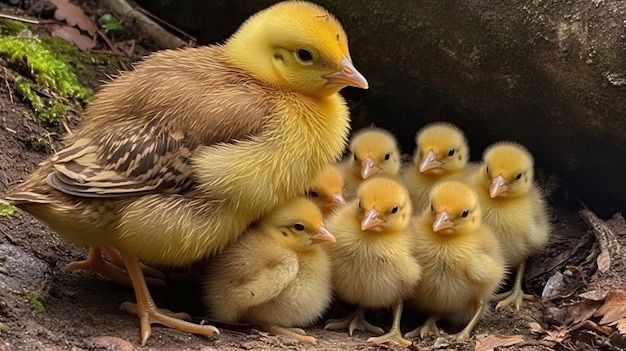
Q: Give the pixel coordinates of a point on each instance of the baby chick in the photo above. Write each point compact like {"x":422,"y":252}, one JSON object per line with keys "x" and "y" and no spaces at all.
{"x":175,"y":159}
{"x":276,"y":276}
{"x":372,"y":151}
{"x":514,"y":207}
{"x":327,"y":190}
{"x":461,"y":259}
{"x":372,"y":262}
{"x":441,"y":154}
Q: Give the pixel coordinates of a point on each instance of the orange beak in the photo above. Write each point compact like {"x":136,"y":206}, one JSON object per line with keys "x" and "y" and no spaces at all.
{"x":347,"y":75}
{"x":498,"y":186}
{"x":368,"y":168}
{"x":371,"y":221}
{"x":429,"y":161}
{"x":324,"y":236}
{"x":442,"y":221}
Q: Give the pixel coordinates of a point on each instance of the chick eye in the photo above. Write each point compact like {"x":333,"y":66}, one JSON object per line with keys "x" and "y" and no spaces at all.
{"x":394,"y":209}
{"x":355,"y":158}
{"x":299,"y":227}
{"x":359,"y":205}
{"x":487,"y":170}
{"x":518,"y":176}
{"x":465,"y":214}
{"x":432,"y":208}
{"x":451,"y":152}
{"x":387,"y":155}
{"x":304,"y":55}
{"x":313,"y":193}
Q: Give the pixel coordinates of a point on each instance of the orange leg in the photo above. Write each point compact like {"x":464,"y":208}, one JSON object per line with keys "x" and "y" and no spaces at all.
{"x":146,"y":310}
{"x":116,"y":260}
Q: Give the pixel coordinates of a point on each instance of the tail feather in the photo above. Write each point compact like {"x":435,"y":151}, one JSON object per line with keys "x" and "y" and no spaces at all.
{"x":26,"y":197}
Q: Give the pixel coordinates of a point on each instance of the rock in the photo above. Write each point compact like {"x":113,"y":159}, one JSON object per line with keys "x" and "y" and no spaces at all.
{"x":111,"y":343}
{"x":23,"y":270}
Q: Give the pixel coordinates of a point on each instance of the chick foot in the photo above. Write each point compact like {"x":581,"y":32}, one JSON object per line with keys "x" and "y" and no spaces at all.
{"x":354,"y":321}
{"x":467,"y":331}
{"x":147,"y":312}
{"x":516,"y":295}
{"x":394,"y":334}
{"x":94,"y":263}
{"x":430,"y":326}
{"x":295,"y":333}
{"x":116,"y":260}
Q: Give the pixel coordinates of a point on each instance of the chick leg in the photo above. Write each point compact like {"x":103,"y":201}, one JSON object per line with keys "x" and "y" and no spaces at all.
{"x":117,"y":261}
{"x":295,"y":333}
{"x":516,"y":295}
{"x":394,"y":334}
{"x":430,"y":326}
{"x":467,"y":331}
{"x":146,"y":309}
{"x":354,"y":321}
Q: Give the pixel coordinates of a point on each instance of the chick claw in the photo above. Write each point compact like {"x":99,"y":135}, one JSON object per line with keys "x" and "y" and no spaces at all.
{"x":296,"y":333}
{"x":515,"y":297}
{"x":430,"y":326}
{"x":391,"y":336}
{"x":354,"y":321}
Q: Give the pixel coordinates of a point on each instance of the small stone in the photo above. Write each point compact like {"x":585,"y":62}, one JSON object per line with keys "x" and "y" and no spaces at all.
{"x":554,"y":316}
{"x":111,"y":343}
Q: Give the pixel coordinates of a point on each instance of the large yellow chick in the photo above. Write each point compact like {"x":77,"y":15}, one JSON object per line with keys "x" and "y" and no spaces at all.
{"x":276,"y":276}
{"x":175,"y":159}
{"x":372,"y":262}
{"x":462,"y":261}
{"x":514,"y":207}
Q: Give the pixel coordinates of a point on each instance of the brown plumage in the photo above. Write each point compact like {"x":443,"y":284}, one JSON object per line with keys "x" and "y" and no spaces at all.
{"x":176,"y":158}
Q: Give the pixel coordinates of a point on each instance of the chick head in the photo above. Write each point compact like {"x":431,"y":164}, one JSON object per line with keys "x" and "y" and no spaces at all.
{"x":507,"y":170}
{"x":454,"y":209}
{"x":384,"y":205}
{"x":327,"y":190}
{"x":374,"y":151}
{"x":298,"y":46}
{"x":297,"y":224}
{"x":441,"y":148}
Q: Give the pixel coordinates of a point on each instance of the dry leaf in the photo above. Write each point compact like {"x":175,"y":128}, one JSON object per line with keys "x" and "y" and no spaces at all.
{"x":74,"y":16}
{"x":614,"y":307}
{"x":72,"y":35}
{"x":621,"y":325}
{"x":594,"y":295}
{"x":536,"y":328}
{"x":556,"y":335}
{"x":491,"y":341}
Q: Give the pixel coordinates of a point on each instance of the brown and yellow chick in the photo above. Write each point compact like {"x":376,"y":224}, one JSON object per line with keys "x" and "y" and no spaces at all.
{"x":461,"y":258}
{"x":276,"y":276}
{"x":327,"y":190}
{"x":373,"y":151}
{"x":514,"y":207}
{"x":442,"y":153}
{"x":175,"y":159}
{"x":372,"y":262}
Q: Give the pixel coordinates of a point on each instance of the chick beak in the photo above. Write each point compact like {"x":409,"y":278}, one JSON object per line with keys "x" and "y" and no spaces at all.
{"x":335,"y":202}
{"x":324,"y":236}
{"x":368,"y":168}
{"x":497,"y":187}
{"x":429,"y":162}
{"x":347,"y":75}
{"x":442,"y":221}
{"x":370,"y":221}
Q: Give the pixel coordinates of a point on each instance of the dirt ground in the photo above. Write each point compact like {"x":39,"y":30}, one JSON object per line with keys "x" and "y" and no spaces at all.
{"x":44,"y":307}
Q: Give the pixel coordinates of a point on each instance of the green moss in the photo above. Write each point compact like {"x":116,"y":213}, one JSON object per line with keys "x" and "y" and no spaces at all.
{"x":7,"y":210}
{"x":33,"y":299}
{"x":1,"y":327}
{"x":67,"y":52}
{"x":9,"y":27}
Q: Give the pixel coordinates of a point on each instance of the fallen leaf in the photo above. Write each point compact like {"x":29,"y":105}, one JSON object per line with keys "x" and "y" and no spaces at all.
{"x":594,"y":295}
{"x":72,"y":35}
{"x":488,"y":342}
{"x":536,"y":328}
{"x":621,"y":325}
{"x":614,"y":307}
{"x":74,"y":16}
{"x":556,"y":335}
{"x":594,"y":327}
{"x":581,"y":311}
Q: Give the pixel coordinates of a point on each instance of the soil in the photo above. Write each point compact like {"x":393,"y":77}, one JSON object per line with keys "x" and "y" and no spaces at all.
{"x":79,"y":311}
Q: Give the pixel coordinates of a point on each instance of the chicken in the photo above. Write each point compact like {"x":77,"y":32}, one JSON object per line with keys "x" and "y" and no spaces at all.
{"x":175,"y":159}
{"x":327,"y":190}
{"x":462,"y":261}
{"x":276,"y":275}
{"x":514,"y":207}
{"x":372,"y":262}
{"x":372,"y":151}
{"x":441,"y":154}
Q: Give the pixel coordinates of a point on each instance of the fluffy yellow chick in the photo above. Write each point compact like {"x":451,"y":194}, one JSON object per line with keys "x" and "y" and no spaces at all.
{"x":372,"y":262}
{"x":327,"y":190}
{"x":276,"y":276}
{"x":514,"y":207}
{"x":441,"y":154}
{"x":372,"y":151}
{"x":175,"y":159}
{"x":461,"y":259}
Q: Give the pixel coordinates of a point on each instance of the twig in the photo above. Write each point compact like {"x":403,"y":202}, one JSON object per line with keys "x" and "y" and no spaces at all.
{"x":20,"y":19}
{"x":113,"y":48}
{"x":6,"y":81}
{"x":610,"y":248}
{"x":162,"y":21}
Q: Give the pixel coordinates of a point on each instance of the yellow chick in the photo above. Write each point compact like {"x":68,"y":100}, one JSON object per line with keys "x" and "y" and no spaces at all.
{"x":176,"y":158}
{"x":327,"y":190}
{"x":461,"y":259}
{"x":442,"y":153}
{"x":372,"y":151}
{"x":372,"y":262}
{"x":514,"y":207}
{"x":276,"y":276}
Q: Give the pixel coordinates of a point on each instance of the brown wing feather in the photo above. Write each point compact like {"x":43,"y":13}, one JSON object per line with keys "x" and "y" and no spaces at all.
{"x":142,"y":128}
